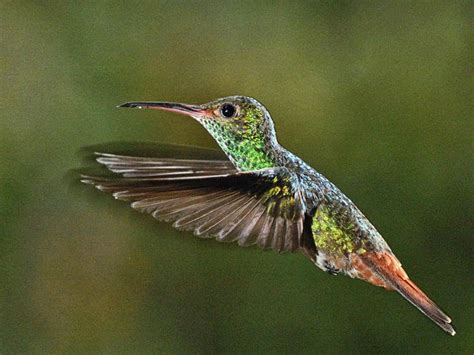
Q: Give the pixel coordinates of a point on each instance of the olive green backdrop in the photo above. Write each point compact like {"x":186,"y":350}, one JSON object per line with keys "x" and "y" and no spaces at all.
{"x":375,"y":95}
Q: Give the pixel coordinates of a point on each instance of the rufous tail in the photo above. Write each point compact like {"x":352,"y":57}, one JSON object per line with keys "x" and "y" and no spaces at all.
{"x":383,"y":269}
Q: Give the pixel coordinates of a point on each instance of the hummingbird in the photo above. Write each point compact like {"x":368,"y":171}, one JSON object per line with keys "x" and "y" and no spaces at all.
{"x":261,"y":195}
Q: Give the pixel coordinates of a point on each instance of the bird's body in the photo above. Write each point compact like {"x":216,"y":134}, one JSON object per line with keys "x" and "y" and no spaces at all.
{"x":262,"y":195}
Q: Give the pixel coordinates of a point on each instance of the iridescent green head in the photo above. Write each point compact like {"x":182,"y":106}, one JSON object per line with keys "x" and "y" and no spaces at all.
{"x":241,"y":126}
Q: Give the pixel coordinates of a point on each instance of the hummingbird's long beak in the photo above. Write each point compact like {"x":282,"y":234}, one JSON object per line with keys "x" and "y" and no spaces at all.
{"x":184,"y":109}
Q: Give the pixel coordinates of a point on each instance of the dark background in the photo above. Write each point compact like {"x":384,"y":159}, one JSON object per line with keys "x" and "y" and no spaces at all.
{"x":375,"y":95}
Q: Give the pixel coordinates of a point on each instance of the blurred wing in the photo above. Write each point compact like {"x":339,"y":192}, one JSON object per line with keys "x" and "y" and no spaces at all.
{"x":210,"y":197}
{"x":153,"y":150}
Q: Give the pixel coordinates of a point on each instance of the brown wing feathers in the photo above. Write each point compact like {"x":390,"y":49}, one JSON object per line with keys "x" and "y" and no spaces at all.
{"x":209,"y":197}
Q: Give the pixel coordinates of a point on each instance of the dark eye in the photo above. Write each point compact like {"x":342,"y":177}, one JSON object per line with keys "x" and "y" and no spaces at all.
{"x":228,"y":110}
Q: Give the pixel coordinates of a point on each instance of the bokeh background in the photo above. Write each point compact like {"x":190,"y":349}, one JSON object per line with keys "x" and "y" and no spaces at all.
{"x":375,"y":95}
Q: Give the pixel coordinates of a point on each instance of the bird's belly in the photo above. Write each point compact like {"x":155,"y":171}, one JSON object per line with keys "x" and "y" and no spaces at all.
{"x":331,"y":263}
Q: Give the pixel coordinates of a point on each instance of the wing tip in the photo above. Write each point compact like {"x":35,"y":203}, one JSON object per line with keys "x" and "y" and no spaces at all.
{"x":87,"y":179}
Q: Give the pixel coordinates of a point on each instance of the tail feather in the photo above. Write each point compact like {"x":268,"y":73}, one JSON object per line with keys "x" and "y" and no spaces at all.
{"x":386,"y":271}
{"x":418,"y":298}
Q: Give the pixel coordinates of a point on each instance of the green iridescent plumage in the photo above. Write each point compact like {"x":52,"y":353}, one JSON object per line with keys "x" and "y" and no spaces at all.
{"x":262,"y":195}
{"x":333,"y":237}
{"x":245,"y":138}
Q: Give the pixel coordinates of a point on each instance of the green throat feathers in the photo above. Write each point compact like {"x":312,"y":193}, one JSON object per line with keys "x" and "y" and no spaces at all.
{"x":245,"y":141}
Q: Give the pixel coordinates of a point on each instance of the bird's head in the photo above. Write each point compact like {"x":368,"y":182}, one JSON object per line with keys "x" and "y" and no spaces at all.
{"x":241,"y":126}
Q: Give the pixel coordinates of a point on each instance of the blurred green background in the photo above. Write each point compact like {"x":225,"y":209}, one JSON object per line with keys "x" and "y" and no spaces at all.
{"x":375,"y":95}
